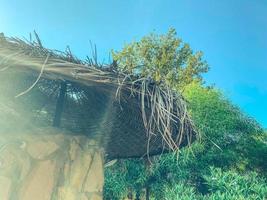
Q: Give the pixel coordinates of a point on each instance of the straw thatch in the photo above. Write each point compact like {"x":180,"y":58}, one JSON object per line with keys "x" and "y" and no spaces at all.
{"x":129,"y":116}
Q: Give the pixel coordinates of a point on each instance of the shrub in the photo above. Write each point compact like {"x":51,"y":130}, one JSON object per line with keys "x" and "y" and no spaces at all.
{"x":230,"y":185}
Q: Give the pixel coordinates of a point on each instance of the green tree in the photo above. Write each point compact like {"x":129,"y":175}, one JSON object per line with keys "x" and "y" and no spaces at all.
{"x":164,"y":58}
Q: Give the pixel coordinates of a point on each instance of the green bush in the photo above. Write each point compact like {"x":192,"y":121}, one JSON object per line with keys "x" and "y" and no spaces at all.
{"x":230,"y":185}
{"x":115,"y":187}
{"x":222,"y":185}
{"x":178,"y":191}
{"x":230,"y":138}
{"x":126,"y":176}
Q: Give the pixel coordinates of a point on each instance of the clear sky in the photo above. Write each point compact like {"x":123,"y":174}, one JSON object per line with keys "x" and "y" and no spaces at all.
{"x":231,"y":33}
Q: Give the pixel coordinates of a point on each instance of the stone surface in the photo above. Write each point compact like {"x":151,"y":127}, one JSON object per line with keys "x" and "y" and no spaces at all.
{"x":50,"y":166}
{"x":40,"y":182}
{"x":8,"y":161}
{"x":5,"y":188}
{"x":96,"y":197}
{"x":41,"y":149}
{"x":67,"y":193}
{"x":95,"y":179}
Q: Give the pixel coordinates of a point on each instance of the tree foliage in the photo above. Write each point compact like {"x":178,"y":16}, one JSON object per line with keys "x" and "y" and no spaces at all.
{"x":228,"y":133}
{"x":163,"y":58}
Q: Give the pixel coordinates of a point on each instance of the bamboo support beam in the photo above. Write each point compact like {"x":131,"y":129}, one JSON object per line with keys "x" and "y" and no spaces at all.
{"x":60,"y":104}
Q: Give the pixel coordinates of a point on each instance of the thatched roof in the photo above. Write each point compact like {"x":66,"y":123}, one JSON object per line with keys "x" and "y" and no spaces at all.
{"x":129,"y":116}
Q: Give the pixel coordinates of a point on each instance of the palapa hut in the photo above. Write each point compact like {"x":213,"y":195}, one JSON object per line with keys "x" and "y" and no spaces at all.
{"x":62,"y":118}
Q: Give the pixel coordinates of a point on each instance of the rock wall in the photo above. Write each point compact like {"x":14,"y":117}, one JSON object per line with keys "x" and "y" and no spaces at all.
{"x":50,"y":165}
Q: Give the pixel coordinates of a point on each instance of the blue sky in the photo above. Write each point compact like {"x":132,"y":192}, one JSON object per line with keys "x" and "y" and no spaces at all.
{"x":231,"y":33}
